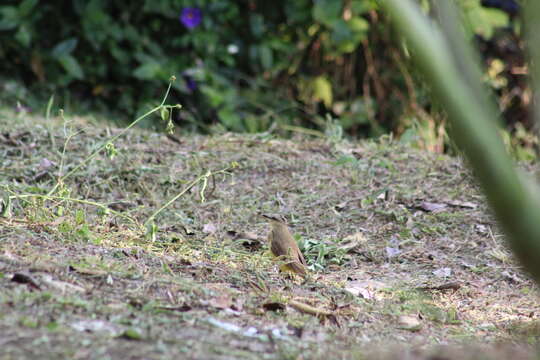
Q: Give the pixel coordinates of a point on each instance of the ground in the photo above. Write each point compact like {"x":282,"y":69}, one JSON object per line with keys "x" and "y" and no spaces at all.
{"x":406,"y":260}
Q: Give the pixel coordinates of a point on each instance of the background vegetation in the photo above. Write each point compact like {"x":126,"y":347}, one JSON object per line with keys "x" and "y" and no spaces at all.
{"x":244,"y":65}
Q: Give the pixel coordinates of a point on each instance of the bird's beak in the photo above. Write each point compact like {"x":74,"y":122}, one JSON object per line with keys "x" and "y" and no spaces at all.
{"x":270,"y":217}
{"x":267,"y":216}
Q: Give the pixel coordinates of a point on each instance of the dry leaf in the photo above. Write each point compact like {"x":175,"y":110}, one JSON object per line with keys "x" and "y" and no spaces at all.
{"x":209,"y":228}
{"x":432,"y":207}
{"x":462,"y":204}
{"x":351,"y":242}
{"x":448,"y":286}
{"x":274,"y":306}
{"x":364,"y":289}
{"x":97,"y":326}
{"x":411,"y":323}
{"x":223,"y":325}
{"x":24,"y":278}
{"x":443,"y":272}
{"x":392,"y":252}
{"x":248,"y":240}
{"x":181,"y":308}
{"x":223,"y":301}
{"x":63,"y":286}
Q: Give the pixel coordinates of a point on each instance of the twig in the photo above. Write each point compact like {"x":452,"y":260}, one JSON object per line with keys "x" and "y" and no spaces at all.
{"x":308,"y":309}
{"x":204,"y":178}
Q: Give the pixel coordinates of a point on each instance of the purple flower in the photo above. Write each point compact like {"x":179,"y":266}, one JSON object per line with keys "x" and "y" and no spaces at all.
{"x":191,"y":17}
{"x":191,"y":84}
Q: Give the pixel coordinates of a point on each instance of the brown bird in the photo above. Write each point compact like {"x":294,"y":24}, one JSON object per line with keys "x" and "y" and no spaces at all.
{"x":284,"y":247}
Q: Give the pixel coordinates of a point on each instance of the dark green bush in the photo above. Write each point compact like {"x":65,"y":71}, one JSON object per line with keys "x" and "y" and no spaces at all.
{"x":245,"y":65}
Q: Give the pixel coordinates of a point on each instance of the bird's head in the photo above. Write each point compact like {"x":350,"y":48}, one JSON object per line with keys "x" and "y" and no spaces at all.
{"x":275,"y":218}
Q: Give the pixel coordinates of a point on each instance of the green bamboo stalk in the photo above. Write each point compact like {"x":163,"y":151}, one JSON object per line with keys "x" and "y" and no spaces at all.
{"x":451,"y":71}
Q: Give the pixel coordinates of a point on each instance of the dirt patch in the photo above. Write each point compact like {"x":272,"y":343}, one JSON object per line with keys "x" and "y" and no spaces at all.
{"x":401,"y":245}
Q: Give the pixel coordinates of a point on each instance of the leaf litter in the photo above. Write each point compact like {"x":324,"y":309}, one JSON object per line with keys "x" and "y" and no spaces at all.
{"x":382,"y":273}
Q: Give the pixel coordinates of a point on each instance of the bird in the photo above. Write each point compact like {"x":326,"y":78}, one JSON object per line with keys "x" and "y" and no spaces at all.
{"x":283,"y":246}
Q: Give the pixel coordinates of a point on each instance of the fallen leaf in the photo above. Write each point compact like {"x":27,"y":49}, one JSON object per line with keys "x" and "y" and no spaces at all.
{"x":462,"y":204}
{"x":209,"y":228}
{"x":63,"y":286}
{"x":45,"y":164}
{"x":443,"y":272}
{"x":392,"y":252}
{"x":248,"y":240}
{"x":238,"y":305}
{"x":97,"y":326}
{"x":24,"y":278}
{"x":121,"y":205}
{"x":341,"y":206}
{"x":364,"y":288}
{"x":360,"y":291}
{"x":87,"y":270}
{"x":384,"y":195}
{"x":432,"y":207}
{"x":353,"y":241}
{"x":512,"y":277}
{"x":481,"y":229}
{"x":223,"y":325}
{"x":250,"y":331}
{"x":274,"y":306}
{"x":242,"y":235}
{"x":411,"y":323}
{"x":181,"y":308}
{"x":132,"y":334}
{"x":188,"y":230}
{"x":223,"y":301}
{"x":448,"y":286}
{"x":308,"y":309}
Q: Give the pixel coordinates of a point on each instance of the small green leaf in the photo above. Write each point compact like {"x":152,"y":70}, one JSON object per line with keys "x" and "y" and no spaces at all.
{"x":23,"y":35}
{"x":151,"y":231}
{"x":322,"y":90}
{"x":147,"y":71}
{"x":164,"y":113}
{"x":26,"y":7}
{"x":266,"y":56}
{"x":52,"y":326}
{"x":49,"y":107}
{"x":132,"y":334}
{"x":327,"y":12}
{"x":71,"y":65}
{"x":80,"y":218}
{"x":111,"y":151}
{"x":9,"y":17}
{"x":258,"y":27}
{"x":230,"y":119}
{"x":64,"y":48}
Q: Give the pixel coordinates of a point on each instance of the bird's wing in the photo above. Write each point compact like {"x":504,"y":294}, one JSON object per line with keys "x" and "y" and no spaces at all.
{"x":277,"y":248}
{"x":270,"y":240}
{"x":290,"y":251}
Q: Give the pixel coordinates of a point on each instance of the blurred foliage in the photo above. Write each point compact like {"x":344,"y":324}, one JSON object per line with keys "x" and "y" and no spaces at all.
{"x":242,"y":65}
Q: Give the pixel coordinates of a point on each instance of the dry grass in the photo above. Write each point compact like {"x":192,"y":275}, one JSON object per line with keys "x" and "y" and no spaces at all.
{"x":91,"y":284}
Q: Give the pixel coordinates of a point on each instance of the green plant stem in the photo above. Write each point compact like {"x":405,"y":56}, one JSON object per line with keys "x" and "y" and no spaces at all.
{"x":516,"y":204}
{"x":110,"y":141}
{"x":201,"y":178}
{"x":80,"y":201}
{"x":301,"y":130}
{"x":531,"y":11}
